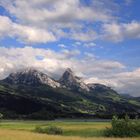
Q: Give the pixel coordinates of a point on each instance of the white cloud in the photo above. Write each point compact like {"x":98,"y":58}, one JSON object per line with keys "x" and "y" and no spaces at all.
{"x":88,"y":35}
{"x":89,"y":55}
{"x":70,"y":53}
{"x":128,"y":82}
{"x":57,"y":11}
{"x":118,"y":32}
{"x":32,"y":35}
{"x":5,"y":26}
{"x":107,"y":72}
{"x":76,"y":44}
{"x":15,"y":58}
{"x":44,"y":20}
{"x":90,"y":44}
{"x":62,"y":46}
{"x":124,"y":82}
{"x":24,"y":33}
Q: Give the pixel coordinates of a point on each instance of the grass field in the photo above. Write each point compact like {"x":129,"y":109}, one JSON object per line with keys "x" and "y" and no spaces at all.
{"x":23,"y":130}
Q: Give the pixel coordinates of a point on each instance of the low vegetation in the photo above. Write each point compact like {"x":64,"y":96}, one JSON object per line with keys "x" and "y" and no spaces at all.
{"x":123,"y":128}
{"x":51,"y":130}
{"x":6,"y":134}
{"x":1,"y":115}
{"x":64,"y":130}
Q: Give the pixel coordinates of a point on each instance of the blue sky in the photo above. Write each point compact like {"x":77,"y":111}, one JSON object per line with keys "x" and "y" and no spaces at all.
{"x":98,"y":39}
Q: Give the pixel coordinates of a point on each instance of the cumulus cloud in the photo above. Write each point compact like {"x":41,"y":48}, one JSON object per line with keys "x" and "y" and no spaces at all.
{"x":117,"y":32}
{"x":88,"y":35}
{"x":54,"y":63}
{"x":5,"y":26}
{"x":62,"y":46}
{"x":44,"y":20}
{"x":128,"y":82}
{"x":57,"y":11}
{"x":90,"y":44}
{"x":24,"y":33}
{"x":124,"y":82}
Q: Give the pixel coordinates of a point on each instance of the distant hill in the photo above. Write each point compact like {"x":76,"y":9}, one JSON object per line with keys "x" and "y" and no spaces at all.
{"x":31,"y":94}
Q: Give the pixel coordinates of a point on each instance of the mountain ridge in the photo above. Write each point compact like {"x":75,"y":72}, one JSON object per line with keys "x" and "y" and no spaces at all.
{"x":69,"y":80}
{"x":32,"y":77}
{"x":65,"y":98}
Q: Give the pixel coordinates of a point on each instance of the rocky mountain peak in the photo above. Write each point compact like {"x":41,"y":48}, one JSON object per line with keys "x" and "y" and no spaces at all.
{"x":102,"y":89}
{"x":29,"y":70}
{"x":68,"y":75}
{"x":71,"y":81}
{"x":94,"y":86}
{"x":68,"y":70}
{"x":32,"y":77}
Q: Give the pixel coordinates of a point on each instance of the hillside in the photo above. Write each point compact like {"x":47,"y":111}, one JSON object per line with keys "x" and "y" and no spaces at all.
{"x":32,"y":94}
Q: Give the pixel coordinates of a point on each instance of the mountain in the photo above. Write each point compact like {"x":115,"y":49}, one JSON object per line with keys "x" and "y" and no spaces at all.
{"x":70,"y":81}
{"x":31,"y":77}
{"x":31,"y":94}
{"x":102,"y":90}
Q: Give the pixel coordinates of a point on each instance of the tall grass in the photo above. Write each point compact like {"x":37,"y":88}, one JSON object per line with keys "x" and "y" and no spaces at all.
{"x":70,"y":128}
{"x":51,"y":130}
{"x":23,"y":130}
{"x":24,"y":135}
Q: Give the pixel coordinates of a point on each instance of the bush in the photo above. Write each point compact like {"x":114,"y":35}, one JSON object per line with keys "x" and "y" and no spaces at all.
{"x":123,"y":128}
{"x":40,"y":130}
{"x":1,"y":115}
{"x":52,"y":130}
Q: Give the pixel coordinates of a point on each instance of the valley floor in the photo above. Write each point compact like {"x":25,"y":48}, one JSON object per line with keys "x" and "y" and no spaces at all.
{"x":22,"y":135}
{"x":23,"y":130}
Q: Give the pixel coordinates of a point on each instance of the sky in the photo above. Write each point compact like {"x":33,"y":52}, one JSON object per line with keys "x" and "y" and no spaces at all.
{"x":98,"y":39}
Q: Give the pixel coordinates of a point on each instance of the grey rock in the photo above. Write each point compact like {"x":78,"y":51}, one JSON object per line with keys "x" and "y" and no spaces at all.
{"x":70,"y":81}
{"x":31,"y":77}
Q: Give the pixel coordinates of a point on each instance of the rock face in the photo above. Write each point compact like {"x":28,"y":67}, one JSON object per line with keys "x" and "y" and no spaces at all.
{"x":37,"y":96}
{"x":95,"y":86}
{"x":101,"y":89}
{"x":31,"y":77}
{"x":70,"y":81}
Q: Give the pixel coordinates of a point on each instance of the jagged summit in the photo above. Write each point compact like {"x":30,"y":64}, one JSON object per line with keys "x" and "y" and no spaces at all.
{"x":68,"y":75}
{"x":97,"y":86}
{"x":32,"y":77}
{"x":29,"y":70}
{"x":101,"y":89}
{"x":69,"y":70}
{"x":71,"y":81}
{"x":59,"y":98}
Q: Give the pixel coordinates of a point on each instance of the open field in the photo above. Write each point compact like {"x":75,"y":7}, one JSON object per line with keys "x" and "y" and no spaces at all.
{"x":71,"y":128}
{"x":20,"y":135}
{"x":23,"y":130}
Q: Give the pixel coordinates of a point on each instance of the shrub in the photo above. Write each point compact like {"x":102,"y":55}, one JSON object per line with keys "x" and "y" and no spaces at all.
{"x":123,"y":128}
{"x":40,"y":130}
{"x":1,"y":115}
{"x":52,"y":130}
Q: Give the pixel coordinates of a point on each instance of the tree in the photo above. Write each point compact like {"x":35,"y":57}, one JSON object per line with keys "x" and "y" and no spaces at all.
{"x":124,"y":127}
{"x":1,"y":115}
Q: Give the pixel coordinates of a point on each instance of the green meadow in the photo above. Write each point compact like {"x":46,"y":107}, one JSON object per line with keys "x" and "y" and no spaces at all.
{"x":72,"y":130}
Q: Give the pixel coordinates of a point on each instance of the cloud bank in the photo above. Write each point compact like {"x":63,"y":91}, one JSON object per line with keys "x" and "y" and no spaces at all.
{"x":53,"y":63}
{"x":83,"y":23}
{"x":46,"y":21}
